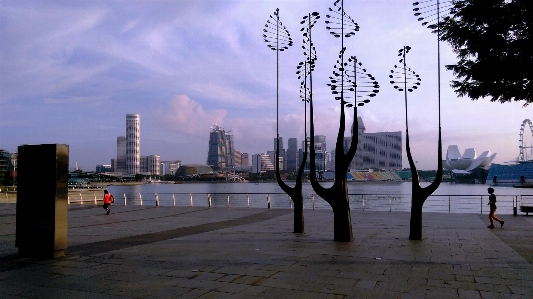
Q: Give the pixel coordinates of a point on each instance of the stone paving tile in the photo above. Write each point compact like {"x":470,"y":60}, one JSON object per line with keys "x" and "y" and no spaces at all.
{"x":458,"y":257}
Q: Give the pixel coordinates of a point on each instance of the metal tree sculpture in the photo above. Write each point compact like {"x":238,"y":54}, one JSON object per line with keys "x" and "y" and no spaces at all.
{"x":340,"y":26}
{"x":403,"y":75}
{"x":278,"y":39}
{"x":304,"y":70}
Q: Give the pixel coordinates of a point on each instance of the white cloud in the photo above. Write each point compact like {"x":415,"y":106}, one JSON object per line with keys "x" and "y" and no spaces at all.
{"x":187,"y":117}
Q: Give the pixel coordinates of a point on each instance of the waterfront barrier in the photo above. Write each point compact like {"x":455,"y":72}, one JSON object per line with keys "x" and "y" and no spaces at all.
{"x":362,"y":202}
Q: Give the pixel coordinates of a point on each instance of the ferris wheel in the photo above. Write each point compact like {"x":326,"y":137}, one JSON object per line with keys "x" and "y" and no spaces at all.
{"x":524,"y":144}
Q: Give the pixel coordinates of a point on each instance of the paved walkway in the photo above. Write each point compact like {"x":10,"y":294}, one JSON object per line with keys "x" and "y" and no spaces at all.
{"x":184,"y":252}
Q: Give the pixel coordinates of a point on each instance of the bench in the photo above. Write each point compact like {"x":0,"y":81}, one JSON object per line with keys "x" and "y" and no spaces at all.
{"x":526,"y":209}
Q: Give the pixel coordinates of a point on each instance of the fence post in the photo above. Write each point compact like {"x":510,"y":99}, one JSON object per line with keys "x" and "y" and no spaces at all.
{"x":248,"y":196}
{"x":481,"y":203}
{"x":95,"y":198}
{"x":515,"y":205}
{"x":140,"y":195}
{"x":68,"y":199}
{"x":268,"y":201}
{"x":363,"y":199}
{"x":174,"y":199}
{"x":390,"y":204}
{"x":81,"y":199}
{"x":209,"y":199}
{"x":190,"y":195}
{"x":313,"y":200}
{"x":228,"y":200}
{"x":290,"y":202}
{"x":449,"y":204}
{"x":124,"y":198}
{"x":156,"y":200}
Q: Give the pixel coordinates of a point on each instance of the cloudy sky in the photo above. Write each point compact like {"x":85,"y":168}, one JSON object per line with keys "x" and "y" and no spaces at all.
{"x":70,"y":71}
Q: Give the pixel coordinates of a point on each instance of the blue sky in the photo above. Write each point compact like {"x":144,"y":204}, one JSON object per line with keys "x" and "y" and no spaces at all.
{"x":70,"y":71}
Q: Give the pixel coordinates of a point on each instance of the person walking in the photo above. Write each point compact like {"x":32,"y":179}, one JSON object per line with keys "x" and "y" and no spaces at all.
{"x":108,"y":200}
{"x":492,"y":203}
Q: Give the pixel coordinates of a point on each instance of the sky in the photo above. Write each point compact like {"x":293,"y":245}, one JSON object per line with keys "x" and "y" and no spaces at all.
{"x":70,"y":71}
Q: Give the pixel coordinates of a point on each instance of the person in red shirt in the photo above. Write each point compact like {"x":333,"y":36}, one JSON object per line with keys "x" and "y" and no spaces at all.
{"x":108,"y":200}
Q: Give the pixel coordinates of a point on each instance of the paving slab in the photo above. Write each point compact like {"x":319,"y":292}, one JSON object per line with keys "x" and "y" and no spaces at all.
{"x":198,"y":252}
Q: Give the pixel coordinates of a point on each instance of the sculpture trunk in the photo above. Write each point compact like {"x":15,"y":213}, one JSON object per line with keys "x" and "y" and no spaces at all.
{"x":298,"y":215}
{"x":342,"y":221}
{"x":415,"y":232}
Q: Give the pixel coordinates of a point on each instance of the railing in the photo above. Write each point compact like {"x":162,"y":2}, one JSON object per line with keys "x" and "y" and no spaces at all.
{"x":358,"y":202}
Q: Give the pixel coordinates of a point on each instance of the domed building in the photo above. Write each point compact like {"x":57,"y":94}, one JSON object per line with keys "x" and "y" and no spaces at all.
{"x":192,"y":171}
{"x":198,"y":172}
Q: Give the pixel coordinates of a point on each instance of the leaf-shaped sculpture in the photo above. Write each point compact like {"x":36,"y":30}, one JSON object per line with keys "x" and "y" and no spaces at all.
{"x":276,"y":35}
{"x":339,"y":23}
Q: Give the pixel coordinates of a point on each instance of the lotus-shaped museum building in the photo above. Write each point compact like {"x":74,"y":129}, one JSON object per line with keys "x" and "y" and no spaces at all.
{"x":464,"y":164}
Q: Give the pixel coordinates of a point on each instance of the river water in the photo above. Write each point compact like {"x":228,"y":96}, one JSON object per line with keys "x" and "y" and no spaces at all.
{"x":379,"y":196}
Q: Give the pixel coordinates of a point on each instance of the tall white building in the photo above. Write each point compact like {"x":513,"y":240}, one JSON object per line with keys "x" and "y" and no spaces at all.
{"x":133,"y":143}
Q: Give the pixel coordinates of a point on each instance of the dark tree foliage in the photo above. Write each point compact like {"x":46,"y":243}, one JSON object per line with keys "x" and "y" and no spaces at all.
{"x":492,"y":40}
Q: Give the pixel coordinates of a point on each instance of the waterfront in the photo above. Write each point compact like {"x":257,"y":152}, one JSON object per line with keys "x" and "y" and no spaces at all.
{"x":382,"y":196}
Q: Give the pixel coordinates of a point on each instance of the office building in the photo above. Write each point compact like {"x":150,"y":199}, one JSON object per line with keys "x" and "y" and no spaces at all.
{"x":221,"y":152}
{"x":261,"y":163}
{"x":282,"y":153}
{"x":217,"y":152}
{"x":119,"y":164}
{"x":170,"y":167}
{"x":133,"y":143}
{"x":151,"y":165}
{"x":291,"y":156}
{"x":381,"y":150}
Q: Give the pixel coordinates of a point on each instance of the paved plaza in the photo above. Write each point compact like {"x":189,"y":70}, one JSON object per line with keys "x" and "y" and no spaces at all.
{"x":195,"y":252}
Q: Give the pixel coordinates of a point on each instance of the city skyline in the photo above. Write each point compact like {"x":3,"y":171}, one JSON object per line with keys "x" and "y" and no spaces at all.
{"x":72,"y":70}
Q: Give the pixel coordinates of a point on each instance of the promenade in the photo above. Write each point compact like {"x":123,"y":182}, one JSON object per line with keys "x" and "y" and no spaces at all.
{"x":197,"y":252}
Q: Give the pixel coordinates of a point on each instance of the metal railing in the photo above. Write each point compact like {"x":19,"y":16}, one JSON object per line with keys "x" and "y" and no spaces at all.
{"x":358,"y":202}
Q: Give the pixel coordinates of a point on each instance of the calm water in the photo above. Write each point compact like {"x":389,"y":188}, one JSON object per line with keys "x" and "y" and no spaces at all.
{"x":379,"y":196}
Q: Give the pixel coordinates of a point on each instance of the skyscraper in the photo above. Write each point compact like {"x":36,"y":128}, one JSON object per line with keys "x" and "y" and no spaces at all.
{"x":133,"y":143}
{"x":282,"y":162}
{"x":121,"y":155}
{"x":292,"y":155}
{"x":217,"y":153}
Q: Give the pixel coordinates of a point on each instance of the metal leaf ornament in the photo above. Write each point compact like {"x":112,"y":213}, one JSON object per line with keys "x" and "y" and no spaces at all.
{"x":275,"y":34}
{"x":362,"y":84}
{"x":402,"y":75}
{"x":339,"y":23}
{"x":305,"y":68}
{"x":432,"y":12}
{"x":309,"y":22}
{"x":359,"y":86}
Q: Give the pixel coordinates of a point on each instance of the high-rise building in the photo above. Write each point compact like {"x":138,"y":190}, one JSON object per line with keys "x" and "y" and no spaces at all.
{"x":261,"y":162}
{"x":245,"y":159}
{"x":133,"y":143}
{"x":222,"y":152}
{"x":151,"y":165}
{"x":170,"y":167}
{"x":119,"y":164}
{"x":282,"y":166}
{"x":321,"y":154}
{"x":292,"y":155}
{"x":217,"y":153}
{"x":230,"y":150}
